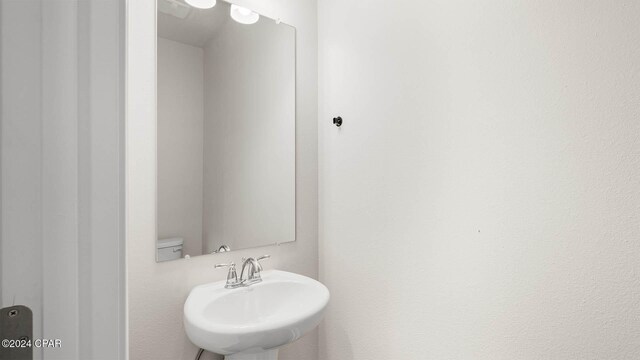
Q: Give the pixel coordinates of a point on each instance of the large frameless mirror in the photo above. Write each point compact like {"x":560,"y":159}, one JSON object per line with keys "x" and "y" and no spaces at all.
{"x":226,"y":129}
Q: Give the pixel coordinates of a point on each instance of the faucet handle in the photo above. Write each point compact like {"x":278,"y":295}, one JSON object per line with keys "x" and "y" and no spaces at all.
{"x":231,"y":265}
{"x":232,"y":275}
{"x":258,"y":265}
{"x":257,"y":259}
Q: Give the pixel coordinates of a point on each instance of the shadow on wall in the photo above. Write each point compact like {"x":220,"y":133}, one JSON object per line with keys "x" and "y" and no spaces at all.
{"x":345,"y":347}
{"x":209,"y":356}
{"x":305,"y":349}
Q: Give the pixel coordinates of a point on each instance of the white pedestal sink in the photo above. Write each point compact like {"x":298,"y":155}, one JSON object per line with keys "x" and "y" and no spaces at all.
{"x":250,"y":323}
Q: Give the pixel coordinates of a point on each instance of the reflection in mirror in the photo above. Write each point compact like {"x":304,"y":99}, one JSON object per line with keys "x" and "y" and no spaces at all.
{"x":226,"y":130}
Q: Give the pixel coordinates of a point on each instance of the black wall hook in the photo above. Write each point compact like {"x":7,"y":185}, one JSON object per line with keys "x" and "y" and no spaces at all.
{"x":337,"y":121}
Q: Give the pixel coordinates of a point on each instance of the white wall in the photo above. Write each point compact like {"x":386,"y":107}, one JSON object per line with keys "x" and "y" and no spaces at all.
{"x":481,"y":200}
{"x":61,"y":185}
{"x":249,"y":130}
{"x":180,"y":143}
{"x":157,"y":291}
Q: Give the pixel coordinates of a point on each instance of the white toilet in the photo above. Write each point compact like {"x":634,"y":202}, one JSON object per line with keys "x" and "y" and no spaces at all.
{"x":169,"y":249}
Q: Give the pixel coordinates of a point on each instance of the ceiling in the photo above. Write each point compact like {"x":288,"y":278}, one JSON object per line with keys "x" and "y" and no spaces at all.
{"x":197,"y":27}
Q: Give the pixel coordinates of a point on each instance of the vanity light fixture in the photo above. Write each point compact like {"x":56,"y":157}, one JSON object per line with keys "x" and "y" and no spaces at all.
{"x":202,"y":4}
{"x":243,"y":15}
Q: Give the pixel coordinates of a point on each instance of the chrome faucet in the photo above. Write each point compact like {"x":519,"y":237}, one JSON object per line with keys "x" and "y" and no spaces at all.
{"x":253,"y":272}
{"x":222,"y":248}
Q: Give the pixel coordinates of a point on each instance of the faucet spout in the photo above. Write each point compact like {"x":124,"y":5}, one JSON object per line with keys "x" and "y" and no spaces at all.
{"x":254,"y":268}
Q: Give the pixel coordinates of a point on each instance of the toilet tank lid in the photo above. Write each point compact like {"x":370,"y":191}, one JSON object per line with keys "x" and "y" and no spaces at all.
{"x":169,"y":242}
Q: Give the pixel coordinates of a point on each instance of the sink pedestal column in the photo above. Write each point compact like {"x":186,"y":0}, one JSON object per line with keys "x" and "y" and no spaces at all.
{"x":264,"y":355}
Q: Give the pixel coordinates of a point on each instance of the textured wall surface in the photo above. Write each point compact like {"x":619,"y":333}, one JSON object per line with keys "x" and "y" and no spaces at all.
{"x":157,"y":291}
{"x":482,"y":198}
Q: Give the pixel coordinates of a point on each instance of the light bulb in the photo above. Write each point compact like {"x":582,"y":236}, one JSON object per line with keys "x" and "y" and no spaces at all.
{"x":243,"y":15}
{"x":244,"y":11}
{"x":202,"y":4}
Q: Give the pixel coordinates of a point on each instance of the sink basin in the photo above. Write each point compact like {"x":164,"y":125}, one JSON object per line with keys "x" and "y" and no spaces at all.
{"x":252,"y":322}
